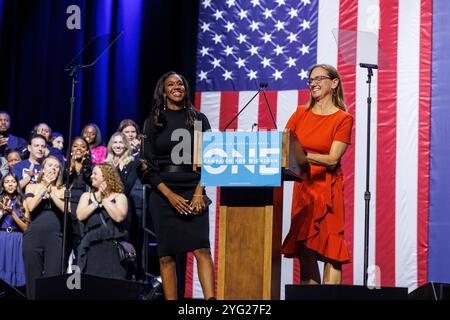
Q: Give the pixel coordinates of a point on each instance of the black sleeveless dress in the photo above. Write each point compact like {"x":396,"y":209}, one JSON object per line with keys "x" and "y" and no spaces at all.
{"x":97,"y":252}
{"x":42,"y":244}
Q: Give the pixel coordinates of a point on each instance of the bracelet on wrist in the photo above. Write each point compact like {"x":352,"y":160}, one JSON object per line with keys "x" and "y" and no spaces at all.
{"x":95,"y":203}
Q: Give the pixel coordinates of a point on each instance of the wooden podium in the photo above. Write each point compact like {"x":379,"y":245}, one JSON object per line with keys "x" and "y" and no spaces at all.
{"x":250,"y":231}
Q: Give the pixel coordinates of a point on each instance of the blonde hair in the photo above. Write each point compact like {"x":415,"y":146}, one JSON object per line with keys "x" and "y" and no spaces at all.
{"x":113,"y":182}
{"x":126,"y":158}
{"x":59,"y":180}
{"x":338,"y":93}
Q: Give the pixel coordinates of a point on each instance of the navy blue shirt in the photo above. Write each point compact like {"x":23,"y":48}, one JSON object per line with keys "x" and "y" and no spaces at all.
{"x":21,"y":170}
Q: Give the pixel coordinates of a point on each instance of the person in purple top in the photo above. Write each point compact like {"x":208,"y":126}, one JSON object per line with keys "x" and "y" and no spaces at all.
{"x":14,"y":219}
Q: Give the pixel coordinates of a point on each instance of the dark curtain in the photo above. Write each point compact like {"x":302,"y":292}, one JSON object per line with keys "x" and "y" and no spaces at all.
{"x":36,"y":45}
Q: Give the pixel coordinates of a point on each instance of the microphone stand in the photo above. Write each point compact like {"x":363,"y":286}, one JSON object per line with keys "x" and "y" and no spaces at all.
{"x":262,"y":86}
{"x":367,"y":194}
{"x":73,"y":74}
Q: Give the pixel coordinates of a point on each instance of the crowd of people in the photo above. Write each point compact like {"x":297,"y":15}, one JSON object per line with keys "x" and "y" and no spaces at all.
{"x":105,"y":203}
{"x":32,"y":201}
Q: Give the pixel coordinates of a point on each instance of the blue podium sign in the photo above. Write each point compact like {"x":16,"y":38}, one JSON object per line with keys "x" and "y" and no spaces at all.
{"x":241,"y":159}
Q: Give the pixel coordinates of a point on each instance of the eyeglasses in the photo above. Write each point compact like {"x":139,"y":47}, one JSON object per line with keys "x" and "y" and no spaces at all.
{"x":316,"y":80}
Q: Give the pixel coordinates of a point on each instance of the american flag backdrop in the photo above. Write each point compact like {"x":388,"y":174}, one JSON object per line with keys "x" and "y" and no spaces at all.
{"x":243,"y":43}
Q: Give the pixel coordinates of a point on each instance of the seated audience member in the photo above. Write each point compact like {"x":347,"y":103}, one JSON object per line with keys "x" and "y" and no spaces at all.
{"x":45,"y":130}
{"x":7,"y":140}
{"x":13,"y":157}
{"x":27,"y":171}
{"x":131,"y":131}
{"x":102,"y":212}
{"x":14,"y":220}
{"x":91,"y":133}
{"x":57,"y":141}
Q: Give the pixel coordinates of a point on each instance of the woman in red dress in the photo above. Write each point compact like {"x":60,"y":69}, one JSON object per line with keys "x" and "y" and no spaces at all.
{"x":323,"y":128}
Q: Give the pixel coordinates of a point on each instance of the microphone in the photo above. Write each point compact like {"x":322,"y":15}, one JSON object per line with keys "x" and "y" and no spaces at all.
{"x":368,"y":66}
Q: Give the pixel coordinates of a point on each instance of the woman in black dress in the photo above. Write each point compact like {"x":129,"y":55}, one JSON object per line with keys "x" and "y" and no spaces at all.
{"x":80,"y":182}
{"x":42,"y":241}
{"x":102,"y":212}
{"x":119,"y":156}
{"x":178,"y":211}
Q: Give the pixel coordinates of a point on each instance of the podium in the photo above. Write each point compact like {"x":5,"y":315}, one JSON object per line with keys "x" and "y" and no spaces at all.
{"x":250,"y":230}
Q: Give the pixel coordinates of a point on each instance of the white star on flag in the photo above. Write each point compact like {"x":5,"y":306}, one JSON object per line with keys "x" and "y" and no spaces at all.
{"x":267,"y":37}
{"x":231,"y":3}
{"x":204,"y":51}
{"x":228,"y":50}
{"x":279,"y":25}
{"x":305,"y":25}
{"x":205,"y":27}
{"x":255,"y":3}
{"x":292,"y":37}
{"x":206,"y":3}
{"x":277,"y":75}
{"x":242,"y":14}
{"x":241,"y":63}
{"x":267,"y":13}
{"x":293,"y":13}
{"x":242,"y":38}
{"x":218,"y":14}
{"x":304,"y":49}
{"x":265,"y":62}
{"x":203,"y":75}
{"x":229,"y":26}
{"x":253,"y":50}
{"x":303,"y":74}
{"x":227,"y":75}
{"x":215,"y":63}
{"x":252,"y":74}
{"x":217,"y":38}
{"x":291,"y":62}
{"x":254,"y":25}
{"x":278,"y":50}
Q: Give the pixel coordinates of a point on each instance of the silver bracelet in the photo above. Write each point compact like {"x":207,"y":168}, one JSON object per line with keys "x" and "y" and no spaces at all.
{"x":95,"y":203}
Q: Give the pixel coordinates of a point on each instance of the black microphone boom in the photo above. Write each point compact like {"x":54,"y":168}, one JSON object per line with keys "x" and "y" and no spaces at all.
{"x":262,"y":86}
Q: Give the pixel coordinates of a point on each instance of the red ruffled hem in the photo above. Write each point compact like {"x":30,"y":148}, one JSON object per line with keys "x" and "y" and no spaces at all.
{"x":328,"y":246}
{"x":307,"y":229}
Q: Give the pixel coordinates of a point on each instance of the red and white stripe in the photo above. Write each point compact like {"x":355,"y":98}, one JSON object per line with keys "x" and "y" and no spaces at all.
{"x":399,"y":136}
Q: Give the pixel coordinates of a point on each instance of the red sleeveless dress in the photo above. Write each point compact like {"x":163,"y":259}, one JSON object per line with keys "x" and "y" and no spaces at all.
{"x":318,"y":203}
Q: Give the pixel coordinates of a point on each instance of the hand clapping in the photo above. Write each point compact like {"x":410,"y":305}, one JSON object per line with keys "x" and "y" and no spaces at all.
{"x":5,"y":205}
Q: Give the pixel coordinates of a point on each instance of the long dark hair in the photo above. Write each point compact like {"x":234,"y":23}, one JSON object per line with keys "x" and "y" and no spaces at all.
{"x":18,"y":194}
{"x":159,"y":103}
